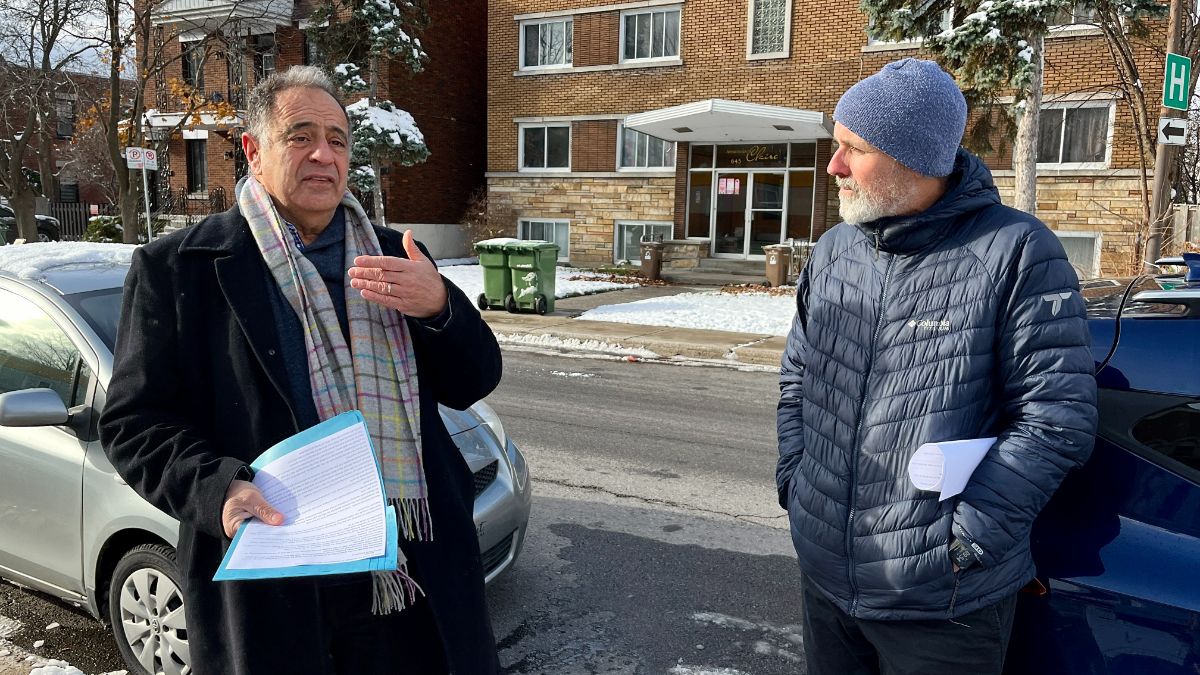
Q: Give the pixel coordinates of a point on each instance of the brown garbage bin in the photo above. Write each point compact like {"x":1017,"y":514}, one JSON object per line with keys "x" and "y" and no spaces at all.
{"x":652,"y":259}
{"x":779,"y":259}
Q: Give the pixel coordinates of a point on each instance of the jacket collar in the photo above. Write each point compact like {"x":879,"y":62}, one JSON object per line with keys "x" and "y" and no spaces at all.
{"x":969,"y":189}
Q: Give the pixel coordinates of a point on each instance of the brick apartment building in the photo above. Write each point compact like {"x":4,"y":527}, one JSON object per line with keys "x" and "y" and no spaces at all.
{"x":709,"y":122}
{"x":203,"y":160}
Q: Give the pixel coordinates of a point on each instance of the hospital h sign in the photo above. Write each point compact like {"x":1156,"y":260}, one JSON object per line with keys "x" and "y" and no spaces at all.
{"x":1176,"y":79}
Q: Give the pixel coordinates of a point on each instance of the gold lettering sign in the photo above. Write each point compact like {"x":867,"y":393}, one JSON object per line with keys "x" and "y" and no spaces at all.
{"x":753,"y":155}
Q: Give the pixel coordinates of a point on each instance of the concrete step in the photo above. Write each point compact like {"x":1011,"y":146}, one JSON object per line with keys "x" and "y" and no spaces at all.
{"x":745,"y":267}
{"x":704,"y":277}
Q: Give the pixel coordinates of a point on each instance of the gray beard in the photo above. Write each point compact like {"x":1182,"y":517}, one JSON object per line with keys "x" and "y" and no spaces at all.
{"x":890,"y":198}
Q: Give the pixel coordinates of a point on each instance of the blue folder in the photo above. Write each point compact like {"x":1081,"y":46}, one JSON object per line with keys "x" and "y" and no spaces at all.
{"x":387,"y":561}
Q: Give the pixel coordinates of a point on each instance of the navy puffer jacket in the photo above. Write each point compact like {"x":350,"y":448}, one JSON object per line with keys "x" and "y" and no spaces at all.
{"x":964,"y":321}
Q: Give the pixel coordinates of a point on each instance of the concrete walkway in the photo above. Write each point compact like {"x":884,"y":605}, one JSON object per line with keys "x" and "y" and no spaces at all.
{"x":562,"y":325}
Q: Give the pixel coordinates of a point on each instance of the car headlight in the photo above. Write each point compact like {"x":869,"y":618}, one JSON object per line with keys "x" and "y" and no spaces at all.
{"x":519,"y":468}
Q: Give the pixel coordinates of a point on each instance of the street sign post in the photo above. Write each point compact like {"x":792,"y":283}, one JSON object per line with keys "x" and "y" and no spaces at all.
{"x":1177,"y":79}
{"x":1172,"y":131}
{"x":143,"y":158}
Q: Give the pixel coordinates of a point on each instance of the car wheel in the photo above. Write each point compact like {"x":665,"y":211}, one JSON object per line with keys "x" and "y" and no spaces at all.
{"x":44,"y":236}
{"x":145,"y":608}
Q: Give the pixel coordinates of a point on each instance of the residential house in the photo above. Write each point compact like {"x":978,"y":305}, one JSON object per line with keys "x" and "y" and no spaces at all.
{"x":709,"y":123}
{"x":222,"y":48}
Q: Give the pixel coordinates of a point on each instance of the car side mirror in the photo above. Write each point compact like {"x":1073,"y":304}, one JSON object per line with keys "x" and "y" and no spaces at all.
{"x":33,"y":408}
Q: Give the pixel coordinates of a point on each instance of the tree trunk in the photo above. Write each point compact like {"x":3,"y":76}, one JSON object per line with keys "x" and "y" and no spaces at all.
{"x":131,"y":222}
{"x":24,"y":205}
{"x":1026,"y":145}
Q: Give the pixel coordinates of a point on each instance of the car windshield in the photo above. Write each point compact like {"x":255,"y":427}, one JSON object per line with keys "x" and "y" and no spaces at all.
{"x":101,"y":309}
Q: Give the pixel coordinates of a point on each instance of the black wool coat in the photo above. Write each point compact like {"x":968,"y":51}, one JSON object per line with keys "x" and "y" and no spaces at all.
{"x":199,"y":389}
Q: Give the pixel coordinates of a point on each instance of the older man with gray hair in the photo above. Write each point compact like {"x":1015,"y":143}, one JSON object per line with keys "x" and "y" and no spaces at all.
{"x":260,"y":322}
{"x":933,"y":313}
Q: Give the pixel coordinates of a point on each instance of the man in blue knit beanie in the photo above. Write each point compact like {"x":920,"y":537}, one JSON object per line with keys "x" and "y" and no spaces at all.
{"x":933,"y":314}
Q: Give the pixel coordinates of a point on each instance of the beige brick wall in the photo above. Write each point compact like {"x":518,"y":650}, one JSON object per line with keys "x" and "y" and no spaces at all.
{"x":1107,"y":205}
{"x":826,"y":57}
{"x":592,"y":205}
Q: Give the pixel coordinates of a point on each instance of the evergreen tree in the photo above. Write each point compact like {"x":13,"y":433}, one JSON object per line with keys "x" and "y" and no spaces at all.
{"x":359,"y":43}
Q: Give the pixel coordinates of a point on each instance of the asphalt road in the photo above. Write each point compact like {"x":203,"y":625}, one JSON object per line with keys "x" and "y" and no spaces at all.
{"x":655,"y":544}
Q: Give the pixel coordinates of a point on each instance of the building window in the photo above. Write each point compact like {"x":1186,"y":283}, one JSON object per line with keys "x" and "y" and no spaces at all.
{"x":264,"y":56}
{"x":947,"y":18}
{"x":628,"y":239}
{"x":555,"y":231}
{"x":64,"y":113}
{"x":641,"y":151}
{"x":193,"y":65}
{"x":197,"y":166}
{"x":650,"y":35}
{"x":547,"y":44}
{"x":546,"y":147}
{"x":1079,"y":14}
{"x":1077,"y":135}
{"x":1083,"y":252}
{"x":68,"y":193}
{"x":770,"y":24}
{"x":312,"y":53}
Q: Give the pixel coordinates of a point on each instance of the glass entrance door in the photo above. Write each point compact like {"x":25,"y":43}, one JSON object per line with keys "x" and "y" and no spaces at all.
{"x":748,"y":214}
{"x":730,"y":215}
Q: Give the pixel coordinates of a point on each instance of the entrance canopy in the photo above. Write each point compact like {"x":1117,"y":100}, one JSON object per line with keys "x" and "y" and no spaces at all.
{"x":720,"y":121}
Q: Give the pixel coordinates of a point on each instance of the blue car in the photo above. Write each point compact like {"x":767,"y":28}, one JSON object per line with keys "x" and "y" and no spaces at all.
{"x":1118,"y":546}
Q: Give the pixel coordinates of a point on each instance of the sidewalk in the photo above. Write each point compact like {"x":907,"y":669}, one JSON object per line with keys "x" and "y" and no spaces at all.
{"x":560,"y":329}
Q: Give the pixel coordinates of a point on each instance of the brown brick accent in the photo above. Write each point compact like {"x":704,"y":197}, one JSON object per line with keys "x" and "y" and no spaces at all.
{"x":596,"y":36}
{"x":447,"y":100}
{"x":681,"y":191}
{"x":594,"y":145}
{"x":825,"y":199}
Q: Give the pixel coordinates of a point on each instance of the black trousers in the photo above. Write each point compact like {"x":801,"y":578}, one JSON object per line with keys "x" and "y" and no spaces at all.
{"x":359,"y":642}
{"x":837,"y":644}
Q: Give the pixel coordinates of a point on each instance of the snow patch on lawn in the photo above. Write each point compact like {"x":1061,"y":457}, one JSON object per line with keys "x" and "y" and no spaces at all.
{"x":757,"y":313}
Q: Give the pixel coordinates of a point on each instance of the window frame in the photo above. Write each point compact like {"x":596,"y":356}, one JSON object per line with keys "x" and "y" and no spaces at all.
{"x":71,"y":117}
{"x":260,"y":55}
{"x":569,"y":32}
{"x":876,"y":44}
{"x":192,"y":58}
{"x":636,"y":258}
{"x":190,"y":169}
{"x":621,"y":130}
{"x":564,"y":249}
{"x":1108,"y":137}
{"x":524,"y":127}
{"x":787,"y":34}
{"x":660,"y":9}
{"x":1097,"y":239}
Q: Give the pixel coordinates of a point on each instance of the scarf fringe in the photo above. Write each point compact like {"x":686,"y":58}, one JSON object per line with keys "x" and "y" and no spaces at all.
{"x":416,"y":523}
{"x":393,"y":591}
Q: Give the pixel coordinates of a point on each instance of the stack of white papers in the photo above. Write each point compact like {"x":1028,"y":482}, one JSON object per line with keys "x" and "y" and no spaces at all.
{"x":948,"y":465}
{"x":327,"y":484}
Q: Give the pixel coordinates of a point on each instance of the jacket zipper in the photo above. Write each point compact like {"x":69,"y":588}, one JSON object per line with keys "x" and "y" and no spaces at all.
{"x":862,"y":403}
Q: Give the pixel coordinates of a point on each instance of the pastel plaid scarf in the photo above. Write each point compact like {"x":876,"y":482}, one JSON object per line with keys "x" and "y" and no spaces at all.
{"x":375,"y":374}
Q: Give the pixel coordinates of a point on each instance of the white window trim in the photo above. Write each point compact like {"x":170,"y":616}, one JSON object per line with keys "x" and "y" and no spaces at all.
{"x":521,"y":45}
{"x":1097,"y":237}
{"x":637,"y":259}
{"x":1108,"y":140}
{"x":664,"y":170}
{"x":876,"y":45}
{"x":564,"y":252}
{"x":617,"y":7}
{"x":543,"y":169}
{"x":557,"y":70}
{"x":621,"y":60}
{"x":1074,"y":30}
{"x":787,"y":35}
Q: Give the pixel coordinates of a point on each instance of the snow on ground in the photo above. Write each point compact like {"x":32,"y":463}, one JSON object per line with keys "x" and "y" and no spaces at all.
{"x":470,"y":279}
{"x":742,"y":312}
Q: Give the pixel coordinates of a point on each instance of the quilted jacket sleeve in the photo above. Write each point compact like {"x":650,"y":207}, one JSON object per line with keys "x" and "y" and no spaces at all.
{"x":1049,"y":391}
{"x":790,"y":415}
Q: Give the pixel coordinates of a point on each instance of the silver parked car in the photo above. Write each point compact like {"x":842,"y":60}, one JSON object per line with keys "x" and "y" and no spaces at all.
{"x":69,"y":526}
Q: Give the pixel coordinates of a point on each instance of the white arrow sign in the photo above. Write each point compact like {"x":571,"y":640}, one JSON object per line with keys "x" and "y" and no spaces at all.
{"x":1172,"y":131}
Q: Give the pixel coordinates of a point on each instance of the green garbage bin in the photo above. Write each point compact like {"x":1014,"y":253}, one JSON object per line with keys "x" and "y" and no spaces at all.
{"x":497,"y":278}
{"x":532,"y":264}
